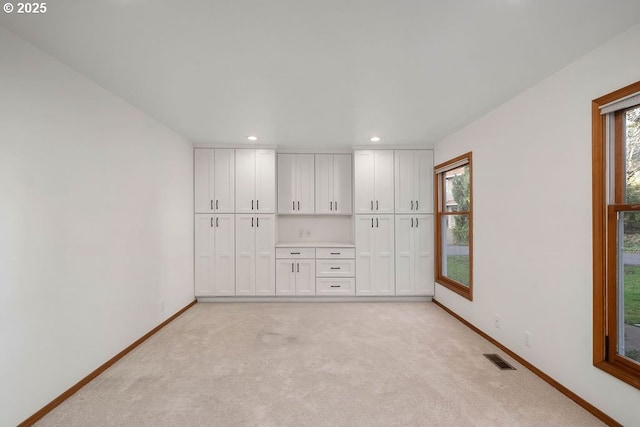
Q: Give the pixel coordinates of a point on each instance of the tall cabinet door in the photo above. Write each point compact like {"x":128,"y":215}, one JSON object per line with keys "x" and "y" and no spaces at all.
{"x":383,"y":181}
{"x":265,"y":235}
{"x":424,"y":181}
{"x":324,"y":178}
{"x":224,"y":173}
{"x":224,"y":255}
{"x":305,"y":277}
{"x":286,"y":276}
{"x":383,"y":272}
{"x":204,"y":255}
{"x":286,"y":183}
{"x":305,"y":187}
{"x":265,"y":181}
{"x":406,"y":175}
{"x":364,"y":254}
{"x":342,"y":184}
{"x":245,"y":255}
{"x":364,"y":181}
{"x":424,"y":256}
{"x":245,"y":180}
{"x":405,"y":259}
{"x":203,"y":183}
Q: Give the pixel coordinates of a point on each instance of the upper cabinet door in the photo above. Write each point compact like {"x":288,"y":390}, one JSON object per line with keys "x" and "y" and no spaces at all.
{"x":406,"y":176}
{"x":245,"y":180}
{"x":286,"y":183}
{"x":204,"y":264}
{"x":424,"y":181}
{"x":224,"y":188}
{"x":364,"y":181}
{"x":342,"y":184}
{"x":203,"y":181}
{"x":324,"y":183}
{"x":305,"y":184}
{"x":265,"y":183}
{"x":383,"y":181}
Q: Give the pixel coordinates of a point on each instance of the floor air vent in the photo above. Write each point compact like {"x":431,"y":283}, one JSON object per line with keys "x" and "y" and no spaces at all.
{"x":499,"y":361}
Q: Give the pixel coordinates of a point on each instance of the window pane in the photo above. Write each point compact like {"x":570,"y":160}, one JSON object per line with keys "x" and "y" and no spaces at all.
{"x":629,"y":289}
{"x":457,"y":190}
{"x":632,"y":155}
{"x":455,"y":248}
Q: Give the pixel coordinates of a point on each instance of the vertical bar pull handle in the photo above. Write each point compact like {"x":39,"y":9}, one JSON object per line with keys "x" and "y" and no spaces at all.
{"x":252,"y":205}
{"x":298,"y":267}
{"x":412,"y":205}
{"x":416,"y":222}
{"x":292,"y":267}
{"x":371,"y":222}
{"x":294,"y":205}
{"x":257,"y":205}
{"x":416,"y":205}
{"x":211,"y":205}
{"x":376,"y":222}
{"x":376,"y":205}
{"x":212,"y":221}
{"x":298,"y":205}
{"x":336,"y":206}
{"x":411,"y":222}
{"x":217,"y":204}
{"x":257,"y":222}
{"x":252,"y":221}
{"x":217,"y":222}
{"x":330,"y":206}
{"x":372,"y":205}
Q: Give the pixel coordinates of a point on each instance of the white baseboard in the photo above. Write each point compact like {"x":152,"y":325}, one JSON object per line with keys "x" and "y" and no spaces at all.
{"x":316,"y":299}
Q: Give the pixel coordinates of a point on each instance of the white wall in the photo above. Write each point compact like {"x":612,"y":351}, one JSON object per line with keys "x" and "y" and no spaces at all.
{"x":96,"y":226}
{"x":532,"y":222}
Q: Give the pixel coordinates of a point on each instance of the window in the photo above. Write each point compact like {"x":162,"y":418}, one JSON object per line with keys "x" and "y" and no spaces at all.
{"x":454,"y":231}
{"x":616,"y":233}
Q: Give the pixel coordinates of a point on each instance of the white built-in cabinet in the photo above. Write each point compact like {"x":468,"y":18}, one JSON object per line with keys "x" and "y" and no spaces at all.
{"x":375,"y":255}
{"x":373,"y":176}
{"x":214,"y":177}
{"x":296,"y":183}
{"x":255,"y":176}
{"x":333,"y":184}
{"x":414,"y":254}
{"x":214,"y":255}
{"x":295,"y":276}
{"x":255,"y":254}
{"x":414,"y":181}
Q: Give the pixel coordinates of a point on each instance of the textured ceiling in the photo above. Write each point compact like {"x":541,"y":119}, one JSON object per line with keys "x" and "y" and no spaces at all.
{"x":320,"y":73}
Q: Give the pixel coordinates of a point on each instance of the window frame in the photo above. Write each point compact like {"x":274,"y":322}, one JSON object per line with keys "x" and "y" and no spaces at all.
{"x":608,"y":158}
{"x":440,"y":212}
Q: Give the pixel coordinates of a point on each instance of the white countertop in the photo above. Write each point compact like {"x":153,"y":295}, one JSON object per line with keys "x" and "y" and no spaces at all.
{"x":310,"y":244}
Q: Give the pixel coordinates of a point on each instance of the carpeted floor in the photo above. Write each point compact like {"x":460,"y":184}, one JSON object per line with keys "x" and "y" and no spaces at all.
{"x":316,"y":364}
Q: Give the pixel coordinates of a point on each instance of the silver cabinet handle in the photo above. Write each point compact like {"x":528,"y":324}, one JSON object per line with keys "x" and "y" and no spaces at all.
{"x":217,"y":204}
{"x":212,"y":221}
{"x":376,"y":205}
{"x":217,"y":222}
{"x":376,"y":222}
{"x":411,"y":222}
{"x":211,"y":205}
{"x":412,"y":205}
{"x":292,"y":267}
{"x":298,"y":265}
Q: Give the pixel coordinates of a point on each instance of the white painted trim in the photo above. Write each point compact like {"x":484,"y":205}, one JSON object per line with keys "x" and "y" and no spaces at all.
{"x":316,"y":299}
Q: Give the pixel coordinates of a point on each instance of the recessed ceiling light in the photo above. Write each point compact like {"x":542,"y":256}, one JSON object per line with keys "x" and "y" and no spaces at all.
{"x":252,"y":138}
{"x":374,"y":139}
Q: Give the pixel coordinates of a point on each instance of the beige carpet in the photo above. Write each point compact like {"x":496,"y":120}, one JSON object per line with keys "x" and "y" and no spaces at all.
{"x":316,"y":364}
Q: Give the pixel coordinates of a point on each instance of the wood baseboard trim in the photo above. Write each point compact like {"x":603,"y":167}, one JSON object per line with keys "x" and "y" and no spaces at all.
{"x":562,"y":389}
{"x":74,"y":388}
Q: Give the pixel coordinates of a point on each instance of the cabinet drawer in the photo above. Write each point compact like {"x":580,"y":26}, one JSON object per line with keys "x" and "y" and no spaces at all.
{"x":335,"y":253}
{"x":335,"y":267}
{"x":295,"y":253}
{"x":344,"y":286}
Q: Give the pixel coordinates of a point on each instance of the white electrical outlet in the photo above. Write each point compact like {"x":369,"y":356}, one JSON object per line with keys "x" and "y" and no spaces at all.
{"x":496,"y":321}
{"x":527,"y":338}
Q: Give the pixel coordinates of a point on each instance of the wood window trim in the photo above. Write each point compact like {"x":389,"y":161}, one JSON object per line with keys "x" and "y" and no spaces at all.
{"x":605,"y":355}
{"x":439,"y":191}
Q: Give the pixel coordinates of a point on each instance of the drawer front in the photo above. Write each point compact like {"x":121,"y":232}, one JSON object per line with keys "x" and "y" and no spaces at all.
{"x":295,"y":253}
{"x":344,"y":286}
{"x":331,"y":253}
{"x":335,"y":267}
